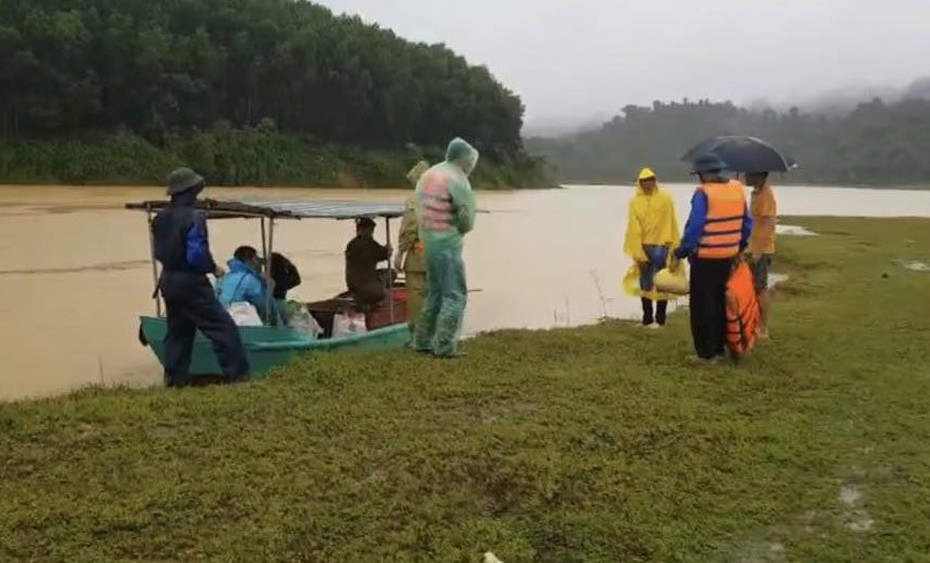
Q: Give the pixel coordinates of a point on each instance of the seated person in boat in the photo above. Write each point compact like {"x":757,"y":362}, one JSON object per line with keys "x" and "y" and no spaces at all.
{"x":244,"y":282}
{"x":285,"y":276}
{"x":363,"y":254}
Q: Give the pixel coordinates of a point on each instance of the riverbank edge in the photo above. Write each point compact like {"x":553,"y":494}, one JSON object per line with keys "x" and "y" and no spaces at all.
{"x":788,"y":268}
{"x":910,"y":188}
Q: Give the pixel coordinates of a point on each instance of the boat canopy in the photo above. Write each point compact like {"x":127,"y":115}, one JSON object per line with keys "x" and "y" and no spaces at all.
{"x":285,"y":209}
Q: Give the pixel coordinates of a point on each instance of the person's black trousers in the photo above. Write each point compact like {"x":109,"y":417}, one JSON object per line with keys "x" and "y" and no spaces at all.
{"x":191,"y":304}
{"x":657,"y":316}
{"x":708,"y":304}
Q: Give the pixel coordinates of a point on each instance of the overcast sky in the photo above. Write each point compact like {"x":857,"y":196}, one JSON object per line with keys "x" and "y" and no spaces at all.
{"x":576,"y":59}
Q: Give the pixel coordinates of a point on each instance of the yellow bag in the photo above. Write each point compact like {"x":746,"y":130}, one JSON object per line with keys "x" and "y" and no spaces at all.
{"x":675,"y":282}
{"x":667,"y":285}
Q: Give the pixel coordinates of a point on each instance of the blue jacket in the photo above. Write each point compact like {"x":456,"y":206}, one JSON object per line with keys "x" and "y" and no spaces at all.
{"x":180,"y":236}
{"x":694,"y":228}
{"x":242,"y":283}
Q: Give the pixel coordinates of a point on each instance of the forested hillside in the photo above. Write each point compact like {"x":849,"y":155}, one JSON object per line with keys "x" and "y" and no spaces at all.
{"x":875,"y":144}
{"x":250,"y":91}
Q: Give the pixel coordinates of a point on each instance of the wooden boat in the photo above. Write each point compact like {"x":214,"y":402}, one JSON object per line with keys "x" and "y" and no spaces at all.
{"x":271,"y":346}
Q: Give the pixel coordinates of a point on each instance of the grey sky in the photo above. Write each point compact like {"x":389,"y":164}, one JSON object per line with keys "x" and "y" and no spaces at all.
{"x":572,"y":59}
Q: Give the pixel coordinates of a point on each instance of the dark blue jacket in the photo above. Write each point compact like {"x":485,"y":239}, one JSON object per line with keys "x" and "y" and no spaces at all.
{"x":181,"y":241}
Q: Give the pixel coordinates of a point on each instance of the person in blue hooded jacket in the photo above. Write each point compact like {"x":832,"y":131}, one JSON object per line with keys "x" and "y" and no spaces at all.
{"x":181,"y":245}
{"x":244,"y":283}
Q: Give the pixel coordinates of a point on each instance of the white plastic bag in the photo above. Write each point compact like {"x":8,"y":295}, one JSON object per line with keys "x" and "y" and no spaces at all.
{"x":244,"y":314}
{"x":301,"y":320}
{"x":348,"y":323}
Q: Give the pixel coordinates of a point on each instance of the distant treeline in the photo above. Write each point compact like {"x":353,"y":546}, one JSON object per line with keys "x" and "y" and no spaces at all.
{"x":251,"y":91}
{"x":876,"y":144}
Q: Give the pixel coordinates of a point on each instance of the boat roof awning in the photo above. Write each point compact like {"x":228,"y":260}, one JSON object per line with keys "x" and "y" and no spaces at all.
{"x":285,"y":209}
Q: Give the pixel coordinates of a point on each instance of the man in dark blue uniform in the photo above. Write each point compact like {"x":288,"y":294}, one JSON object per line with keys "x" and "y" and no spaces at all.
{"x":182,"y":247}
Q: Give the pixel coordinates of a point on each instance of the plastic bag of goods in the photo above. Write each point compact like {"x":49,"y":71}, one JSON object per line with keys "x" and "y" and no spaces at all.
{"x":244,"y":314}
{"x":348,"y":323}
{"x":301,"y":320}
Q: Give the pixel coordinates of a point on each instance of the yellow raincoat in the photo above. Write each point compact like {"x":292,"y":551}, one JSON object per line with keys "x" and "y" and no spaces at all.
{"x":411,"y":248}
{"x":652,"y":221}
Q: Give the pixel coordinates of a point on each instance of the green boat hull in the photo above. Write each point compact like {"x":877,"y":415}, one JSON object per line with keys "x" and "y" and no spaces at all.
{"x":269,"y":347}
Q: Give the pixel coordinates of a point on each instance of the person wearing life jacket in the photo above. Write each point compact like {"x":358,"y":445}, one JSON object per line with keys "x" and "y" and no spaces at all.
{"x":716,"y":232}
{"x":445,"y":213}
{"x":651,"y":236}
{"x":762,"y":241}
{"x":411,"y":255}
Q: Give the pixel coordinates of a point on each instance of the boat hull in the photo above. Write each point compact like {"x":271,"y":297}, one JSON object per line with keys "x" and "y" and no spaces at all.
{"x":268,"y":347}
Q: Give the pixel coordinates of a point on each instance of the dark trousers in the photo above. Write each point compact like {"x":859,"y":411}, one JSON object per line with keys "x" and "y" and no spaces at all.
{"x":708,"y":304}
{"x":191,"y":304}
{"x":369,"y":294}
{"x":658,"y":316}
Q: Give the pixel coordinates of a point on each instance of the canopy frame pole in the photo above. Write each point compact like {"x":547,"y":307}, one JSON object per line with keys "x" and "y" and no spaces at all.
{"x":264,"y":240}
{"x":268,"y":252}
{"x":390,"y":271}
{"x":155,"y":275}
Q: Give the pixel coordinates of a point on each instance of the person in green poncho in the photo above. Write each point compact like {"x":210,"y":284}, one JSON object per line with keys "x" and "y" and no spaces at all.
{"x":445,"y":207}
{"x":411,"y":255}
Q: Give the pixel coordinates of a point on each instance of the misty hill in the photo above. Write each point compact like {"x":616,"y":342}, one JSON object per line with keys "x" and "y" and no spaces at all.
{"x":844,"y":100}
{"x":877,"y":143}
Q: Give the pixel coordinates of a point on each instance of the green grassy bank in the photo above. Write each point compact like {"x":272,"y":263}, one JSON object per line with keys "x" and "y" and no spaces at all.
{"x":593,"y":444}
{"x":240,"y":157}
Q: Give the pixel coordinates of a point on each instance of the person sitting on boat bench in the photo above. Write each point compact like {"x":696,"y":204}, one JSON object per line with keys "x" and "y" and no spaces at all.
{"x":244,"y":282}
{"x":285,"y":276}
{"x":363,"y":254}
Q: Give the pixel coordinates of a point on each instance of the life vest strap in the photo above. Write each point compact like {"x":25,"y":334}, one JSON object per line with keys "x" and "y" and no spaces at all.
{"x":724,"y":219}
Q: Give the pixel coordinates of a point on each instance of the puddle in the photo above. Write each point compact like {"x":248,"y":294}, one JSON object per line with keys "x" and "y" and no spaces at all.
{"x":859,"y":521}
{"x":913,"y":265}
{"x":757,"y":552}
{"x":850,"y":495}
{"x":794,"y":231}
{"x":854,"y":518}
{"x":776,"y":280}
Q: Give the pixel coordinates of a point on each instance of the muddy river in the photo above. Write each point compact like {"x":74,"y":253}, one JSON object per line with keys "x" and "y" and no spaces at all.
{"x":75,"y":271}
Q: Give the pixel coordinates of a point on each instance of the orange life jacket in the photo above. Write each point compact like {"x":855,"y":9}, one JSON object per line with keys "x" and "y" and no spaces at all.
{"x":743,"y":312}
{"x":726,"y":206}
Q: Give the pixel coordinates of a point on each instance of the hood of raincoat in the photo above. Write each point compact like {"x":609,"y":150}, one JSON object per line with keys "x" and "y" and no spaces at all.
{"x":413,"y":175}
{"x":462,"y":155}
{"x":237,"y":266}
{"x":651,"y":221}
{"x":646,"y":174}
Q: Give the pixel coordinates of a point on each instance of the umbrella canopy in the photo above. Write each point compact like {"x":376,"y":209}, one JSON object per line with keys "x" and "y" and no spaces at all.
{"x":741,"y":153}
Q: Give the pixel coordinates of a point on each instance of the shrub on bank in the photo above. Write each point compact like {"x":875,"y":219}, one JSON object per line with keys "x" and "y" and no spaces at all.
{"x":226,"y":156}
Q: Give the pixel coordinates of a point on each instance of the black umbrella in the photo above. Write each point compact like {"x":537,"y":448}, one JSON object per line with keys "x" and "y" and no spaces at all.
{"x":742,"y":154}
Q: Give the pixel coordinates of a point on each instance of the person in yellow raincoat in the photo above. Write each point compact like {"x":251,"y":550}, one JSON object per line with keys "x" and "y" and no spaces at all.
{"x":411,"y":258}
{"x":651,"y":237}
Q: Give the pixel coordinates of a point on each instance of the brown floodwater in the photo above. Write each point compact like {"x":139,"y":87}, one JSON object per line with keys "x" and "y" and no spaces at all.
{"x":75,"y":271}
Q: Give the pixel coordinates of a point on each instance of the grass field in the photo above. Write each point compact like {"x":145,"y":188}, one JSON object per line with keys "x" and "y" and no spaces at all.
{"x":592,"y":444}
